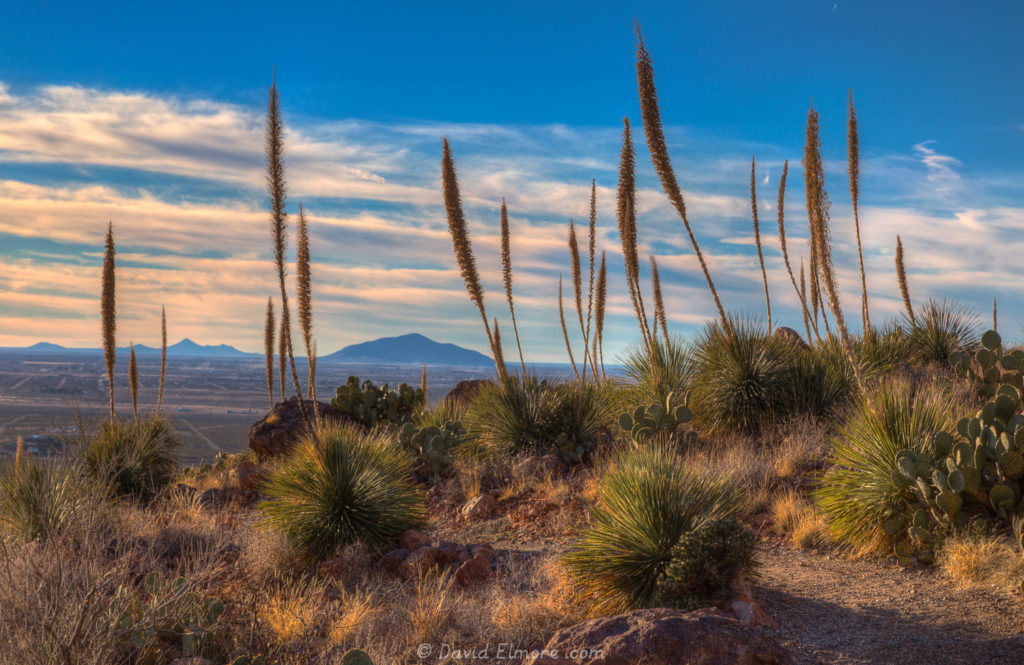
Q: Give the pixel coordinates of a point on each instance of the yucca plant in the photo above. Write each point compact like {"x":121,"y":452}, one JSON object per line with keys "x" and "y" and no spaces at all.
{"x":40,"y":497}
{"x":819,"y":382}
{"x":136,"y":459}
{"x":859,"y":491}
{"x":648,"y":502}
{"x":939,"y":329}
{"x":739,"y":378}
{"x":343,"y":485}
{"x":665,"y":369}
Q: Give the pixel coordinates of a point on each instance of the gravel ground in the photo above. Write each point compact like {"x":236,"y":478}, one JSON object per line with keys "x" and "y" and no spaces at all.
{"x":836,"y":610}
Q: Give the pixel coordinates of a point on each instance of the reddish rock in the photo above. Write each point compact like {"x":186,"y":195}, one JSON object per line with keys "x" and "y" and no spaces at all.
{"x":334,"y":568}
{"x":392,"y":561}
{"x":277,"y":433}
{"x":480,"y":507}
{"x":451,"y":552}
{"x":662,"y":637}
{"x":465,"y":391}
{"x":532,"y":511}
{"x":473,"y":572}
{"x":791,"y":336}
{"x":413,"y":539}
{"x":485,"y":551}
{"x":418,"y":563}
{"x":250,"y":476}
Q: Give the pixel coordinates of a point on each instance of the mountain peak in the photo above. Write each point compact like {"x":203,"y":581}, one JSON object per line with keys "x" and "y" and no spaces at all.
{"x":408,"y":349}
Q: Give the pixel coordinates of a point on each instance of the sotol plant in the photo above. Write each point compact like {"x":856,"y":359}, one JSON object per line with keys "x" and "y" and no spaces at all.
{"x":343,"y":486}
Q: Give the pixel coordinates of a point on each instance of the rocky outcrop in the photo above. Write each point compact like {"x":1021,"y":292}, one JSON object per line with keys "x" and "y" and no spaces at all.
{"x":465,"y":391}
{"x":791,"y":336}
{"x":277,"y":433}
{"x":479,"y":507}
{"x":662,"y":637}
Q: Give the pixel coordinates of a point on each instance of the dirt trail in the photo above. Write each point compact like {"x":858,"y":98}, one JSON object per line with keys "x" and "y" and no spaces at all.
{"x":834,"y":610}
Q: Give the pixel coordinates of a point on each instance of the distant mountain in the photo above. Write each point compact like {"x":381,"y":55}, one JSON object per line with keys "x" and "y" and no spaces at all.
{"x":184,"y":348}
{"x":412,"y":349}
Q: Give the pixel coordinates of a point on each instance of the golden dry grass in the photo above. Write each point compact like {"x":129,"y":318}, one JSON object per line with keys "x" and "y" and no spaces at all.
{"x":989,"y":561}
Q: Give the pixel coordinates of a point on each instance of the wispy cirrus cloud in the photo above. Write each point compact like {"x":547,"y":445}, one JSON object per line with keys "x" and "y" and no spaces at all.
{"x":381,"y":251}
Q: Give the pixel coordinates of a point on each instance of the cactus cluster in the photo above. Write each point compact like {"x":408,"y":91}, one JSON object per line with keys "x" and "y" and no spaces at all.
{"x":372,"y":405}
{"x":705,"y":562}
{"x":656,"y":419}
{"x":990,"y":365}
{"x":431,"y":445}
{"x":175,"y":613}
{"x":974,"y":476}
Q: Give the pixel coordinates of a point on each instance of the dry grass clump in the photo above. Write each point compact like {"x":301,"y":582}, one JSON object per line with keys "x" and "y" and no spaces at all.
{"x":795,"y":516}
{"x":988,"y":561}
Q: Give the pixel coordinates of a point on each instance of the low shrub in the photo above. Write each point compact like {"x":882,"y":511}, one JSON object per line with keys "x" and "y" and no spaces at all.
{"x":342,"y":485}
{"x":40,"y":498}
{"x":705,"y":562}
{"x":941,"y":328}
{"x":657,"y":373}
{"x":647,"y":502}
{"x":136,"y":459}
{"x":863,"y":489}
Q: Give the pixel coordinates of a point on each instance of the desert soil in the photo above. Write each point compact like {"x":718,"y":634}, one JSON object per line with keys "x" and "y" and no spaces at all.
{"x":854,"y":612}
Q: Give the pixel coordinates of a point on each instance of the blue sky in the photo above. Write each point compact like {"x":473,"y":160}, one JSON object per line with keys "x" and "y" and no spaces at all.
{"x":150,"y":115}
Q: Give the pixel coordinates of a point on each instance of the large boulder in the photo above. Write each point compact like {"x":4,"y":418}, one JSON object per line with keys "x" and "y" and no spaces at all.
{"x":662,"y":637}
{"x":465,"y":391}
{"x":793,"y":337}
{"x":276,"y":434}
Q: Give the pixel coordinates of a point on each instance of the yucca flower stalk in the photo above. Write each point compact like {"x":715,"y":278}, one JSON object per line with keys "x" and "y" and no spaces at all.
{"x":565,"y":330}
{"x":818,"y":213}
{"x":425,"y":388}
{"x":626,"y":204}
{"x":462,"y":245}
{"x":282,"y":357}
{"x":133,"y":380}
{"x":305,"y":305}
{"x":163,"y":359}
{"x":659,"y":302}
{"x":499,"y":353}
{"x":591,"y":250}
{"x":757,"y":241}
{"x":901,"y":276}
{"x":268,"y":348}
{"x":801,"y":291}
{"x":995,"y":319}
{"x":277,"y":190}
{"x":108,"y":312}
{"x":853,"y":159}
{"x":506,"y":276}
{"x":577,"y":286}
{"x":600,"y":295}
{"x":660,"y":158}
{"x":19,"y":454}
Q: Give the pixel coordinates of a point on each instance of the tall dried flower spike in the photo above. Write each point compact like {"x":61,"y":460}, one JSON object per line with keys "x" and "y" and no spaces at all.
{"x":659,"y":302}
{"x":461,"y":243}
{"x":853,"y":159}
{"x":591,"y":250}
{"x":565,"y":330}
{"x":133,"y":380}
{"x":600,"y":295}
{"x":305,"y":295}
{"x":818,"y":213}
{"x":757,"y":241}
{"x":269,"y":329}
{"x":626,"y":209}
{"x":577,"y":286}
{"x":277,"y":190}
{"x":19,"y":454}
{"x":659,"y":157}
{"x":499,"y":354}
{"x":108,"y":312}
{"x":163,"y":359}
{"x":803,"y":298}
{"x":901,"y":276}
{"x":995,"y":318}
{"x":506,"y":276}
{"x":801,"y":293}
{"x":425,"y":387}
{"x":282,"y":357}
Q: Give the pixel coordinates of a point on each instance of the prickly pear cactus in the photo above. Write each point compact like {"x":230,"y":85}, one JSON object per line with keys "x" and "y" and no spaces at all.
{"x":431,"y":445}
{"x":973,"y":476}
{"x":373,"y":405}
{"x":656,"y":419}
{"x":991,"y":366}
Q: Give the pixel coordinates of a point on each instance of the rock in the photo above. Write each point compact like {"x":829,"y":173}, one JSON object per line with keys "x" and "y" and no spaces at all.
{"x":484,"y":550}
{"x":195,"y":660}
{"x":280,"y":430}
{"x":662,"y":637}
{"x":465,"y":391}
{"x":413,"y":539}
{"x":392,"y":561}
{"x":480,"y":507}
{"x":418,"y":562}
{"x":473,"y":572}
{"x":532,"y":511}
{"x":451,"y":552}
{"x":749,"y":613}
{"x":791,"y":336}
{"x":250,"y":477}
{"x":540,"y":466}
{"x":334,"y":568}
